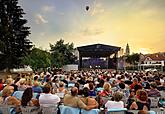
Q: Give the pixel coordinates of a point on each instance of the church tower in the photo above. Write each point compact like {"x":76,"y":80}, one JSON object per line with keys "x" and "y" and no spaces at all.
{"x":127,"y":50}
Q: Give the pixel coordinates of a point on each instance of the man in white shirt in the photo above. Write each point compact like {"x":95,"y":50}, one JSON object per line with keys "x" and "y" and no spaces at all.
{"x":47,"y":99}
{"x":117,"y":103}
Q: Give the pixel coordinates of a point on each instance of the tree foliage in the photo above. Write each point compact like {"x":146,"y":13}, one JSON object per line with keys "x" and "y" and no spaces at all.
{"x":133,"y":59}
{"x":62,"y":54}
{"x":14,"y":43}
{"x":38,"y":58}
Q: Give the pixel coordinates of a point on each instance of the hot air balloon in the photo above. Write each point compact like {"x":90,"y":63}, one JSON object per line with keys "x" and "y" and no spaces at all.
{"x":87,"y":8}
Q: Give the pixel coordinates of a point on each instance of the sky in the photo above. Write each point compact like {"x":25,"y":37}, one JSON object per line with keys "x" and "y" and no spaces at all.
{"x":140,"y":23}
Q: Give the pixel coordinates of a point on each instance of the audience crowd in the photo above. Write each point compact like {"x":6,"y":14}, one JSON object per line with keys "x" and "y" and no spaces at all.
{"x":85,"y":89}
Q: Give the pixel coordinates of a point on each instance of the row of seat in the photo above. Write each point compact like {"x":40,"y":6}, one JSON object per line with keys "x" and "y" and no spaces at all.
{"x":6,"y":109}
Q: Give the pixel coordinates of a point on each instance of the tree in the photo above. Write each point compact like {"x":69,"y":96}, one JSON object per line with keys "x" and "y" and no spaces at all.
{"x":62,"y":54}
{"x":38,"y":58}
{"x":13,"y":34}
{"x":133,"y":59}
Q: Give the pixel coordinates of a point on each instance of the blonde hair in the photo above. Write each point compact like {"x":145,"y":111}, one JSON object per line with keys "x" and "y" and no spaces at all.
{"x":9,"y":81}
{"x":7,"y":91}
{"x":107,"y":86}
{"x":61,"y":84}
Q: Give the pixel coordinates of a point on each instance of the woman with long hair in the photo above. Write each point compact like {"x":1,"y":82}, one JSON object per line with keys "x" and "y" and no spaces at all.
{"x":87,"y":99}
{"x":142,"y":102}
{"x":27,"y":98}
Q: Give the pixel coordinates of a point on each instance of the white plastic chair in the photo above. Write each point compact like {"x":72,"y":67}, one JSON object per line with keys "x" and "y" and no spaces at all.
{"x":162,"y":93}
{"x":69,"y":110}
{"x":49,"y":110}
{"x":30,"y":110}
{"x":116,"y":111}
{"x":93,"y":111}
{"x":136,"y":112}
{"x":154,"y":102}
{"x":6,"y":108}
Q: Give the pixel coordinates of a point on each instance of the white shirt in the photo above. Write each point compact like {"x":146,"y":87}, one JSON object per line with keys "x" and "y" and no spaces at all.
{"x":49,"y":99}
{"x":114,"y":104}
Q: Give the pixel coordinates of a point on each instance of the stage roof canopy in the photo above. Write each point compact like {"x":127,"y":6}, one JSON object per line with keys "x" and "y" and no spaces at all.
{"x":97,"y":50}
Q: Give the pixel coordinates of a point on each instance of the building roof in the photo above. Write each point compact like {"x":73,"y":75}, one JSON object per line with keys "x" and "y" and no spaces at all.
{"x":97,"y":50}
{"x":155,"y":56}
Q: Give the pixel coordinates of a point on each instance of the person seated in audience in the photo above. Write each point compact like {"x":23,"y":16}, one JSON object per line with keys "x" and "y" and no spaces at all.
{"x":142,"y":102}
{"x":78,"y":87}
{"x":73,"y":101}
{"x":61,"y":91}
{"x":162,"y":87}
{"x":9,"y":82}
{"x":131,"y":98}
{"x":87,"y":100}
{"x":55,"y":83}
{"x":153,"y":92}
{"x":36,"y":88}
{"x":28,"y":101}
{"x":106,"y":92}
{"x":61,"y":88}
{"x":10,"y":100}
{"x":117,"y":103}
{"x":123,"y":90}
{"x":22,"y":85}
{"x":47,"y":99}
{"x":135,"y":82}
{"x":1,"y":84}
{"x":104,"y":95}
{"x":29,"y":82}
{"x":91,"y":89}
{"x":137,"y":87}
{"x":27,"y":98}
{"x":145,"y":83}
{"x":36,"y":80}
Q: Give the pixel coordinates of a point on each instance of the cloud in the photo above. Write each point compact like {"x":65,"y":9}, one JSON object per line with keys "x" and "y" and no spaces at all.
{"x":144,"y":50}
{"x":98,"y":9}
{"x":40,"y":19}
{"x":91,"y":31}
{"x":48,"y":8}
{"x":42,"y":34}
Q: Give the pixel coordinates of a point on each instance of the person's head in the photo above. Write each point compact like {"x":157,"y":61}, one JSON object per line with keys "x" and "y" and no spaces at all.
{"x":35,"y":78}
{"x":22,"y":82}
{"x":7,"y":91}
{"x":77,"y":85}
{"x":74,"y":91}
{"x":85,"y":92}
{"x":132,"y":93}
{"x":9,"y":76}
{"x":47,"y":88}
{"x":142,"y":112}
{"x":61,"y":84}
{"x":137,"y":87}
{"x":91,"y":86}
{"x":153,"y":85}
{"x":118,"y":96}
{"x":9,"y":81}
{"x":107,"y":86}
{"x":122,"y":85}
{"x":142,"y":95}
{"x":27,"y":96}
{"x":135,"y":80}
{"x":1,"y":80}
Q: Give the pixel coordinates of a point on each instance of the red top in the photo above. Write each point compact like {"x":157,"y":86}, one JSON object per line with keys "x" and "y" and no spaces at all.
{"x":133,"y":85}
{"x":1,"y":86}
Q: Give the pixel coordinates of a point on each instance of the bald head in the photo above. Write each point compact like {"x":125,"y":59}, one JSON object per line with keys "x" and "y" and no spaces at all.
{"x":74,"y":91}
